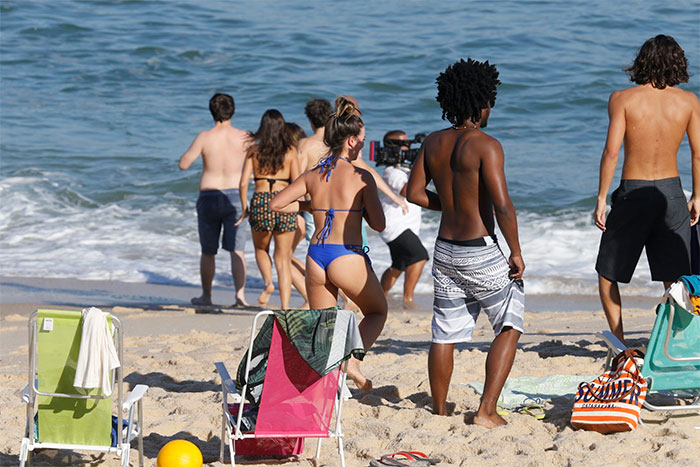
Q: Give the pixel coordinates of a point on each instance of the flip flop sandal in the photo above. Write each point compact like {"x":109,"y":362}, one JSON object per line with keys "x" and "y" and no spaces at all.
{"x":533,"y":410}
{"x":419,"y":456}
{"x":404,"y":459}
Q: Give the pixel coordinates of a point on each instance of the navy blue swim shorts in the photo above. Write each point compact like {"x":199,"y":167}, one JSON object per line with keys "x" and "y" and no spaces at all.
{"x":217,"y":209}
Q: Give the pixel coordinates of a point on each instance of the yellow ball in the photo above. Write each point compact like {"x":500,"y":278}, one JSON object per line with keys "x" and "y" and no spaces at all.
{"x":180,"y":453}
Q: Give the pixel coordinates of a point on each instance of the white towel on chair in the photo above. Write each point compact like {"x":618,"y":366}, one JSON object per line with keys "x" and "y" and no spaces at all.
{"x":679,"y":293}
{"x":98,"y":356}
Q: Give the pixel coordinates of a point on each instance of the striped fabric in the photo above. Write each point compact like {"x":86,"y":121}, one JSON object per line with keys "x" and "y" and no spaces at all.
{"x":612,"y":401}
{"x":468,"y":280}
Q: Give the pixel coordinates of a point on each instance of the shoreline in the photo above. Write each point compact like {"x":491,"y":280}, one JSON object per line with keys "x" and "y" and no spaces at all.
{"x":26,"y":293}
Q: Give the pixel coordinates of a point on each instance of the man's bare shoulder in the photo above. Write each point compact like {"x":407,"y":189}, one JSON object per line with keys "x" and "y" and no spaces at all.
{"x":312,"y":149}
{"x":311,"y":143}
{"x":436,"y":135}
{"x":480,"y":147}
{"x":622,"y":95}
{"x":303,"y":143}
{"x":238,"y":133}
{"x":448,"y":141}
{"x":688,"y":96}
{"x":642,"y":93}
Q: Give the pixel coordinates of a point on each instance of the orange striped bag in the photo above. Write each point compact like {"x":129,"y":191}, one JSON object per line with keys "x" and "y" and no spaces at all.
{"x":612,"y":401}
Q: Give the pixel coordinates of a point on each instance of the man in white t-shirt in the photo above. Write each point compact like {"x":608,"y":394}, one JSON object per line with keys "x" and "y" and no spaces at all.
{"x":401,"y":231}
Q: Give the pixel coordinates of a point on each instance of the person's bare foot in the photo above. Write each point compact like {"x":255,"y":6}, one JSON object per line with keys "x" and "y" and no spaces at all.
{"x":357,"y":377}
{"x":408,"y":304}
{"x":489,"y":421}
{"x":201,"y":301}
{"x":240,"y":301}
{"x":265,"y":295}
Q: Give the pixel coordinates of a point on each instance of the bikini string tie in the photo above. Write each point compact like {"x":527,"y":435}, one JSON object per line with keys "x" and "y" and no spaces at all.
{"x":327,"y":164}
{"x":362,"y":250}
{"x":327,"y":226}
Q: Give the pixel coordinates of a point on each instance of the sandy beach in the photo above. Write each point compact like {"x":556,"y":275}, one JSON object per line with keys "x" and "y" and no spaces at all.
{"x":172,"y":347}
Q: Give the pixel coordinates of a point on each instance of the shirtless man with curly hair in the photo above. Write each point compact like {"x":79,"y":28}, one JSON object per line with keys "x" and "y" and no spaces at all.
{"x":649,"y":209}
{"x":471,"y":274}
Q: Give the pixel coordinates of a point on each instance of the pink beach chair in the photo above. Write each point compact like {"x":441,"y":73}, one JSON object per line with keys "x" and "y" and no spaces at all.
{"x":296,"y":403}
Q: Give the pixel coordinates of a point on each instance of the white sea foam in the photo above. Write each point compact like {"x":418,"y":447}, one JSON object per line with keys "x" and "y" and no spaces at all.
{"x":49,"y":230}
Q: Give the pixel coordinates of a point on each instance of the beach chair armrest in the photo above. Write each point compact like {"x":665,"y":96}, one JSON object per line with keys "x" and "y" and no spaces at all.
{"x":612,"y":341}
{"x":134,"y":396}
{"x":226,"y":380}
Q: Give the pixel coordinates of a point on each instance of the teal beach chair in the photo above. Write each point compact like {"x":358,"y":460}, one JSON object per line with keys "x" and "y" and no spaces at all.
{"x":672,"y":360}
{"x":59,"y":416}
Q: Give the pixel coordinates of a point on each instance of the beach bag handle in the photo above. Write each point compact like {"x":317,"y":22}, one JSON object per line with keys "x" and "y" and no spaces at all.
{"x":613,"y":374}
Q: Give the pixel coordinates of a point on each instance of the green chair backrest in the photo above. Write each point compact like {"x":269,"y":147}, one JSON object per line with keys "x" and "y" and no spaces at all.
{"x":684,"y":342}
{"x":62,"y":420}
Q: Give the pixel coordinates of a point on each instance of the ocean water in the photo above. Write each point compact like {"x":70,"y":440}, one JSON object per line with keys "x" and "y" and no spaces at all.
{"x":100,"y":98}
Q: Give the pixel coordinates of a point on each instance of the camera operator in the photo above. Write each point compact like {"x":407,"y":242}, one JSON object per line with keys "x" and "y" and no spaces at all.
{"x":401,"y":232}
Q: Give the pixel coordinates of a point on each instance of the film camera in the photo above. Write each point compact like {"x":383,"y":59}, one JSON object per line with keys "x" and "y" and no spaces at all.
{"x":393,"y":151}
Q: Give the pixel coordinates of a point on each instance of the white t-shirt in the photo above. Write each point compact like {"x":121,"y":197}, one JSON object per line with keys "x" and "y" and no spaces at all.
{"x":396,"y":221}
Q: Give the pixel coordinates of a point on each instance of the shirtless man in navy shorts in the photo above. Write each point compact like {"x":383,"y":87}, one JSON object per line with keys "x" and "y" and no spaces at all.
{"x":649,"y":209}
{"x":223,"y":150}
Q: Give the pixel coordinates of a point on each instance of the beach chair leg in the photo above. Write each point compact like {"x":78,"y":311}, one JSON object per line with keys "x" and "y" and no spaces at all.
{"x":140,"y":437}
{"x":232,"y":451}
{"x":341,"y":452}
{"x":608,"y":359}
{"x":318,"y":448}
{"x":126,"y":450}
{"x":223,"y":438}
{"x":24,"y":450}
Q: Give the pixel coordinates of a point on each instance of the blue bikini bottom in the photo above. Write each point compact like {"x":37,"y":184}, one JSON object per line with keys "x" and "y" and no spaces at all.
{"x":324,"y":255}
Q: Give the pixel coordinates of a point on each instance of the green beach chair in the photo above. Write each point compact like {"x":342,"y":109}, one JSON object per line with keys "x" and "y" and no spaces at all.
{"x":672,"y":360}
{"x":59,"y":416}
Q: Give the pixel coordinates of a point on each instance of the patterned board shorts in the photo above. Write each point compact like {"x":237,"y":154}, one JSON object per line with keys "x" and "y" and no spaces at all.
{"x":468,"y":280}
{"x":264,"y":220}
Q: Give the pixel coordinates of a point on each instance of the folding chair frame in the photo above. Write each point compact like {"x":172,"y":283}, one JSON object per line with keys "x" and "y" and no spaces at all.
{"x":615,"y":347}
{"x":134,"y":401}
{"x":231,"y":426}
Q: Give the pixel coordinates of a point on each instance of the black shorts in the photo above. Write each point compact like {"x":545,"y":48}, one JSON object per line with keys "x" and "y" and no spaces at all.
{"x":406,"y":249}
{"x":646,"y":213}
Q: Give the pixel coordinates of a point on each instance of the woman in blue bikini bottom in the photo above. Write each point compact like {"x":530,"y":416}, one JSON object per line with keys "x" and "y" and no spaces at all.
{"x":345,"y":194}
{"x":323,"y":254}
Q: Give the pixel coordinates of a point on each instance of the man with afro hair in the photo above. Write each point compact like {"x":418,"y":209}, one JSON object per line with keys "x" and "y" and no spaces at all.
{"x":649,"y":208}
{"x":470,"y":272}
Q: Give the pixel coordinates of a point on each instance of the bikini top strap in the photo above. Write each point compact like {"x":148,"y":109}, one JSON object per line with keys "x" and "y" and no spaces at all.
{"x":272,"y":181}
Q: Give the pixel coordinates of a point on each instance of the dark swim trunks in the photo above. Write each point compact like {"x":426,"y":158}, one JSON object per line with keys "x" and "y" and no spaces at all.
{"x":406,"y":249}
{"x":217,"y":209}
{"x":646,"y":213}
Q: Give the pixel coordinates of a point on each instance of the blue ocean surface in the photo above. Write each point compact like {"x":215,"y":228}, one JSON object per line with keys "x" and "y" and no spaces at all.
{"x":100,"y":98}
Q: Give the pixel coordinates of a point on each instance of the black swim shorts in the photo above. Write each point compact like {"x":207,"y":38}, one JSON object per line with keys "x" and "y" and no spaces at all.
{"x":406,"y":249}
{"x":646,"y":213}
